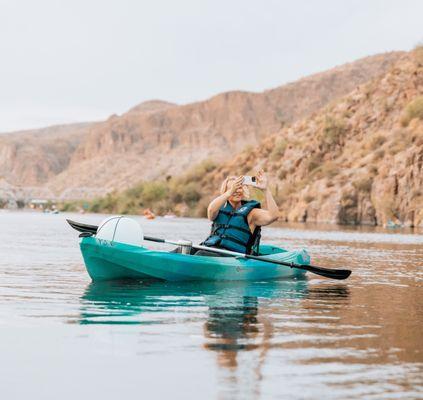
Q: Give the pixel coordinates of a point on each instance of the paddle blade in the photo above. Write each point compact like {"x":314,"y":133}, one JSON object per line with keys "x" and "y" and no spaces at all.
{"x":80,"y":227}
{"x":339,"y":274}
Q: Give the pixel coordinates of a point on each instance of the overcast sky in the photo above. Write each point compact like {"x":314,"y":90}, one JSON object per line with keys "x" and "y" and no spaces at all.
{"x":79,"y":60}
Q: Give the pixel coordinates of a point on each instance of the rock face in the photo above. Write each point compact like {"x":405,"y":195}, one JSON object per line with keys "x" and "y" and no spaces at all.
{"x":156,"y":139}
{"x":357,"y":161}
{"x":31,"y":158}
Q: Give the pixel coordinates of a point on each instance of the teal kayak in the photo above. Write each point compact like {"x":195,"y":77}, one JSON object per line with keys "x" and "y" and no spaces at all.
{"x":111,"y":260}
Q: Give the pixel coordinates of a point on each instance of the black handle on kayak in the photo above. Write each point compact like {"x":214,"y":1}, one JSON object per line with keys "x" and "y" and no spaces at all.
{"x":153,"y":239}
{"x":326,"y":272}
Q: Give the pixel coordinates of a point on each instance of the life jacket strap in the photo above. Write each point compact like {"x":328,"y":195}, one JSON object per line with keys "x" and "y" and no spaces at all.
{"x":253,"y":245}
{"x":217,"y":226}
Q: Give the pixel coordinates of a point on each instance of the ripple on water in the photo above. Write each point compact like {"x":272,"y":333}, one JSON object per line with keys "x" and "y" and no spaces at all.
{"x":312,"y":338}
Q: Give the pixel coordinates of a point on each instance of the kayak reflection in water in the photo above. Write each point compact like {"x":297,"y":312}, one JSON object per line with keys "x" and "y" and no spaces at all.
{"x":236,"y":220}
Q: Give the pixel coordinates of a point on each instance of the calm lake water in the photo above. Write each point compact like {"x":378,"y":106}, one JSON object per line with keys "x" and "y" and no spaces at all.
{"x":65,"y":337}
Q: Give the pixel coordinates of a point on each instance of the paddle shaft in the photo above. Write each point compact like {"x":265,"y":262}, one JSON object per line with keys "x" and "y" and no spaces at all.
{"x":339,"y":274}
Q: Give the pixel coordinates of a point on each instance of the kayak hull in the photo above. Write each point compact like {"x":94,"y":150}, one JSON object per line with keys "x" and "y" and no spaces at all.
{"x":107,"y":260}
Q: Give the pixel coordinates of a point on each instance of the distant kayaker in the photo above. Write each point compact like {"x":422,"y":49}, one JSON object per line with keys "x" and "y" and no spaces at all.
{"x":236,"y":221}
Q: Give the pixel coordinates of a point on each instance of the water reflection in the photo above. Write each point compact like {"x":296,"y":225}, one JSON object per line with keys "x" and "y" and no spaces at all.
{"x":241,"y":321}
{"x":310,"y":339}
{"x":234,"y":325}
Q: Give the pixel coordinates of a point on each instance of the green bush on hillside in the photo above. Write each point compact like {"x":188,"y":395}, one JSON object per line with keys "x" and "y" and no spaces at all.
{"x":279,"y":150}
{"x":197,"y":172}
{"x":414,"y":109}
{"x":154,"y":191}
{"x":160,"y":196}
{"x":332,"y":130}
{"x":376,"y":141}
{"x":364,"y":184}
{"x":314,"y":162}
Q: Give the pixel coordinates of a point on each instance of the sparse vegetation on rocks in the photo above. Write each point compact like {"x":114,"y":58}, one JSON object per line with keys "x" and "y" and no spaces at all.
{"x":414,"y":109}
{"x":356,"y":159}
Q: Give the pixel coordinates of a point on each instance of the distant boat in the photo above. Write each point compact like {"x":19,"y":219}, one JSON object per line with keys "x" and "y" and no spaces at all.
{"x":49,"y":211}
{"x":148,"y":214}
{"x":169,"y":216}
{"x":392,"y":225}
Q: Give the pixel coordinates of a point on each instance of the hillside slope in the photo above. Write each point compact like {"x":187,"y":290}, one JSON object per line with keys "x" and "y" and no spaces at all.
{"x":168,"y":139}
{"x":31,"y":158}
{"x":359,"y":160}
{"x":156,"y":138}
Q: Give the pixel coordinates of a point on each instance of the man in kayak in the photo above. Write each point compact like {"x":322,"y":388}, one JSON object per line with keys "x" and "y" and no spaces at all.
{"x":236,"y":221}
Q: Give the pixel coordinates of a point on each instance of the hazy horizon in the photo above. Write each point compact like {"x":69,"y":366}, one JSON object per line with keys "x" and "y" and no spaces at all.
{"x":74,"y":62}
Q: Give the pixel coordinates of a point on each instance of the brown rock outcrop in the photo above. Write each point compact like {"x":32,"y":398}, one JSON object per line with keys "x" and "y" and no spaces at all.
{"x":354,"y":162}
{"x":156,"y":138}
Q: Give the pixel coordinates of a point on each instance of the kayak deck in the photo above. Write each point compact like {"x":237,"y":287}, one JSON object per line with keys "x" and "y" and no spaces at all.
{"x":107,"y":260}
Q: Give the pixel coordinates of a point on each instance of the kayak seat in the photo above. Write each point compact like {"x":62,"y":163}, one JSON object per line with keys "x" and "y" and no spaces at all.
{"x":268,"y":249}
{"x":200,"y":253}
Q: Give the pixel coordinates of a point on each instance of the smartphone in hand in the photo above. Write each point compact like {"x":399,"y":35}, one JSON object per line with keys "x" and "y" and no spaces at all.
{"x":250,"y":181}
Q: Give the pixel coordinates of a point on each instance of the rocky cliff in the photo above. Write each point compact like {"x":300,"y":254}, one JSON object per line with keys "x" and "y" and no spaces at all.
{"x":31,"y":158}
{"x":358,"y":160}
{"x":156,"y":138}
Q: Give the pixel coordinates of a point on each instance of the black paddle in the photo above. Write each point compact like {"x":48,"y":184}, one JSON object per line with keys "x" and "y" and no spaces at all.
{"x":326,"y":272}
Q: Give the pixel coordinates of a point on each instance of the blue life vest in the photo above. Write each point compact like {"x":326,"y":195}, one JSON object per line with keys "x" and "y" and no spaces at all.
{"x":230,"y":229}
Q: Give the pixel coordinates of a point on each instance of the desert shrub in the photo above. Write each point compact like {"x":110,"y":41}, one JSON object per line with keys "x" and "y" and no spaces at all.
{"x":245,"y":169}
{"x":386,"y":205}
{"x":284,"y":191}
{"x":279,"y":149}
{"x":329,"y":170}
{"x":282,"y":174}
{"x":154,"y":191}
{"x":136,"y":191}
{"x":190,"y":193}
{"x":201,"y":208}
{"x":414,"y":109}
{"x":66,"y":207}
{"x":197,"y":172}
{"x":314,"y":162}
{"x":248,"y":149}
{"x":308,"y":198}
{"x":402,"y":139}
{"x":375,"y":142}
{"x":378,"y":155}
{"x":416,"y":193}
{"x":332,"y":130}
{"x":105,"y":204}
{"x":418,"y":53}
{"x":160,"y":196}
{"x":363,"y":184}
{"x":372,"y":170}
